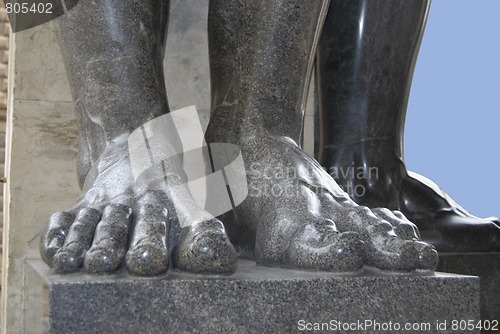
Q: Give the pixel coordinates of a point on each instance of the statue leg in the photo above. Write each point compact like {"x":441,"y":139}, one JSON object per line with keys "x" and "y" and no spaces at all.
{"x":295,"y":215}
{"x":365,"y":62}
{"x":113,"y":52}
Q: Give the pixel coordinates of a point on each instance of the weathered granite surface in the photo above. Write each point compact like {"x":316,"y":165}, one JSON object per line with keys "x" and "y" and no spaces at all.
{"x":253,"y":300}
{"x":484,"y":265}
{"x":118,"y":86}
{"x":295,"y":215}
{"x":261,"y":57}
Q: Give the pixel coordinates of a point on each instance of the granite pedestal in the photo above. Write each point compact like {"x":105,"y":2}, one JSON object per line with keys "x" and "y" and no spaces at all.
{"x":484,"y":265}
{"x":253,"y":300}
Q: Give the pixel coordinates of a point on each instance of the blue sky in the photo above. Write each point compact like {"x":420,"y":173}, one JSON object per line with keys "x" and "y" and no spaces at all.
{"x":452,"y":131}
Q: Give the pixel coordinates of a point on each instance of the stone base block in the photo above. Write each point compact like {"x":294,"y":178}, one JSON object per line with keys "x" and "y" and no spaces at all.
{"x":253,"y":300}
{"x":484,"y":265}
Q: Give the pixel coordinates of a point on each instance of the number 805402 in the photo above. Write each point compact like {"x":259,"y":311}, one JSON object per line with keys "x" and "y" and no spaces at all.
{"x":25,"y":8}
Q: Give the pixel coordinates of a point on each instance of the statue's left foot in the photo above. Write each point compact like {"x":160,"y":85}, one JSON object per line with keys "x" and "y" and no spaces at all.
{"x":296,"y":216}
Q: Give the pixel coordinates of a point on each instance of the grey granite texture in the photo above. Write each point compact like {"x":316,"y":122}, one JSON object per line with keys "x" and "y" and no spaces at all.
{"x":295,"y":215}
{"x":253,"y":300}
{"x":484,"y":265}
{"x":113,"y":53}
{"x":261,"y":56}
{"x":366,"y":58}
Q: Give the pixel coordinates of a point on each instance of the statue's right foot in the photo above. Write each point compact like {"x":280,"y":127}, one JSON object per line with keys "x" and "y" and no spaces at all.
{"x":118,"y":86}
{"x":94,"y":234}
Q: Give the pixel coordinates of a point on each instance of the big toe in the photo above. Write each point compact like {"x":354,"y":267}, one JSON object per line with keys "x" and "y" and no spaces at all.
{"x":205,"y":248}
{"x":318,"y":246}
{"x":387,"y":251}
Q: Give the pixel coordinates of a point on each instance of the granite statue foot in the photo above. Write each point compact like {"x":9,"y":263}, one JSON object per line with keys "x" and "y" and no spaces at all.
{"x":95,"y":233}
{"x":298,"y":217}
{"x":117,"y":81}
{"x":295,"y":215}
{"x":118,"y":220}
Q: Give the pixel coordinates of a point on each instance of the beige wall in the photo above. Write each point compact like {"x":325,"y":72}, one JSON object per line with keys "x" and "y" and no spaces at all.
{"x":42,"y":134}
{"x":40,"y":157}
{"x":4,"y":60}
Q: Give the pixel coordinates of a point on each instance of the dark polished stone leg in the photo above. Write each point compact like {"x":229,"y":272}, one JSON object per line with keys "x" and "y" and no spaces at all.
{"x":295,"y":215}
{"x":114,"y":51}
{"x":365,"y":64}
